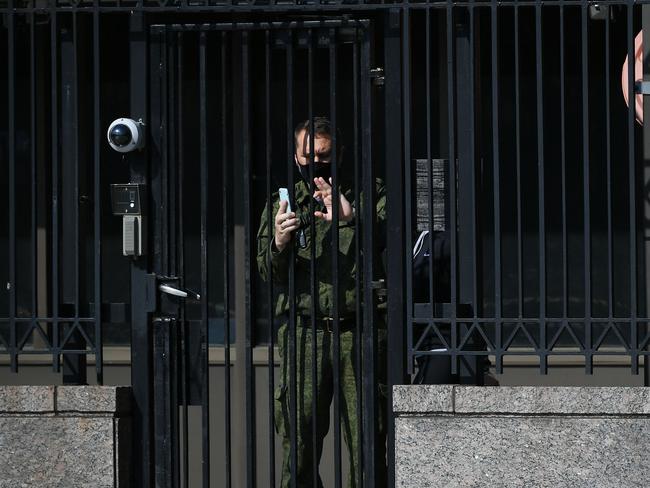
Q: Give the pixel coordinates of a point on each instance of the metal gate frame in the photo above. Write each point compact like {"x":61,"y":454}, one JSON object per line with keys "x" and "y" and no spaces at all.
{"x":163,"y":373}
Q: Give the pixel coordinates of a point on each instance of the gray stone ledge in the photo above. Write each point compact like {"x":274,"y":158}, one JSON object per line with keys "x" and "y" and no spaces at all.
{"x":553,"y":400}
{"x":57,"y":452}
{"x":420,"y":399}
{"x":25,"y":399}
{"x":93,"y":399}
{"x":521,"y":400}
{"x":521,"y":451}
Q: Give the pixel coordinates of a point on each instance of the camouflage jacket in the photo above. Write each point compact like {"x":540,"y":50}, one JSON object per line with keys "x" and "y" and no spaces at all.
{"x":275,"y":265}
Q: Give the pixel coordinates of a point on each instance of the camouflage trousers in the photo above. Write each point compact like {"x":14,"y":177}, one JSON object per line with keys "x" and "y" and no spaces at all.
{"x":324,"y":389}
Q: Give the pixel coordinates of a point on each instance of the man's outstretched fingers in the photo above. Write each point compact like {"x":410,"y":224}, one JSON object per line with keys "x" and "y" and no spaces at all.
{"x":321,"y":184}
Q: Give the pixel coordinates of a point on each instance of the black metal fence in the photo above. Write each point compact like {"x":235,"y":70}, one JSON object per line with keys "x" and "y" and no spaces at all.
{"x":498,"y":127}
{"x":546,"y":234}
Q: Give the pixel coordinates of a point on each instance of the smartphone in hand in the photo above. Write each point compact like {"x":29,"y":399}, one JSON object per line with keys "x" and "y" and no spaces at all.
{"x":284,"y":197}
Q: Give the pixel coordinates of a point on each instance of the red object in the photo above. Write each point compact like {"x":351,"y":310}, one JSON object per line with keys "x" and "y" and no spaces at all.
{"x":638,"y":76}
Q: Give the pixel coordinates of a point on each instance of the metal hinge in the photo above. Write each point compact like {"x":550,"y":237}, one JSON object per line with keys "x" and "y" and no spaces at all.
{"x":377,"y":76}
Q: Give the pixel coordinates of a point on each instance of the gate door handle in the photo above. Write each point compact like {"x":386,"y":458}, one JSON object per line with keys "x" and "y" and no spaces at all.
{"x":177,"y":292}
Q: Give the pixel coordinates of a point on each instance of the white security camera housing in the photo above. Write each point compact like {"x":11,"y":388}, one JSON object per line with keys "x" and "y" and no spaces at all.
{"x":126,"y":135}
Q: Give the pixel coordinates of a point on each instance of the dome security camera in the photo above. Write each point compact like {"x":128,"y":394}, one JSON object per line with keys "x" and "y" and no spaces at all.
{"x":126,"y":135}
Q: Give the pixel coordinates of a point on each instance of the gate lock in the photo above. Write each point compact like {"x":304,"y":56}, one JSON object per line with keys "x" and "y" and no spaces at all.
{"x":172,"y":294}
{"x":170,"y":286}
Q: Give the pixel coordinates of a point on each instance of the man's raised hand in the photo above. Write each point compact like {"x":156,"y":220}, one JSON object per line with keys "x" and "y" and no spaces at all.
{"x":324,"y":193}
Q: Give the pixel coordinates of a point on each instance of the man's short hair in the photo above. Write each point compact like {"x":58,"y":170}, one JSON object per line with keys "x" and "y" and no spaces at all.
{"x":322,"y":128}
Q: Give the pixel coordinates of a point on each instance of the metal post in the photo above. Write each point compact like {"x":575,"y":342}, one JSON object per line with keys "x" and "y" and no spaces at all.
{"x":645,"y":9}
{"x":165,"y":402}
{"x":372,"y":465}
{"x":241,"y":466}
{"x":74,"y":365}
{"x":468,"y":232}
{"x":141,"y":306}
{"x":395,"y":248}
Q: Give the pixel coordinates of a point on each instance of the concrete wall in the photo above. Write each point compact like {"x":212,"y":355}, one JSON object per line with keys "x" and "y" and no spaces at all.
{"x":115,"y":374}
{"x":64,"y":436}
{"x":118,"y":372}
{"x":456,"y":436}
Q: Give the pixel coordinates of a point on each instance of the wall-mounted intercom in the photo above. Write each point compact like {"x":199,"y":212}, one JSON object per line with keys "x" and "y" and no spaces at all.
{"x":128,"y":200}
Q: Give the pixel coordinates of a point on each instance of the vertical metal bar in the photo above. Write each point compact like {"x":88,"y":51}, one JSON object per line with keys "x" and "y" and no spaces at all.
{"x":172,"y":196}
{"x":269,"y":218}
{"x":497,"y":178}
{"x":293,"y":386}
{"x":586,"y":189}
{"x":357,"y":250}
{"x":472,"y":212}
{"x":34,"y":170}
{"x":467,"y":189}
{"x":369,"y":340}
{"x":473,"y":364}
{"x":250,"y":379}
{"x":226,"y":262}
{"x":520,"y":241}
{"x":335,"y":260}
{"x":166,"y":401}
{"x":175,"y":100}
{"x":79,"y":336}
{"x":174,"y":398}
{"x":241,"y":295}
{"x":205,"y":383}
{"x":159,"y":129}
{"x":165,"y":325}
{"x":396,"y":247}
{"x":73,"y":364}
{"x":141,"y":337}
{"x":541,"y":188}
{"x":11,"y":82}
{"x":645,"y":23}
{"x":54,"y":57}
{"x":173,"y":204}
{"x":97,"y":218}
{"x":408,"y":180}
{"x":163,"y":351}
{"x":453,"y":227}
{"x":80,"y":360}
{"x":632,"y":190}
{"x":409,"y":233}
{"x":565,"y":234}
{"x":162,"y":254}
{"x":312,"y":265}
{"x":608,"y":156}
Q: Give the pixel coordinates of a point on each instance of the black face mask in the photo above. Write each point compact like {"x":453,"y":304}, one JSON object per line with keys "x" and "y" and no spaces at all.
{"x":321,"y":170}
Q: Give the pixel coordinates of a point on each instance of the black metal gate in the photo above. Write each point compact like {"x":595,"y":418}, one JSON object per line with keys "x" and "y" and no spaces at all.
{"x":513,"y":109}
{"x":211,"y":175}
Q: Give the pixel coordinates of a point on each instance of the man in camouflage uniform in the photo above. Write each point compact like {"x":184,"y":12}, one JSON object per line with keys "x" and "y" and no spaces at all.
{"x":274,"y":241}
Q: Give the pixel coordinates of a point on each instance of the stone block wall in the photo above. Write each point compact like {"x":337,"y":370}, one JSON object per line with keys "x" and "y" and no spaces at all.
{"x":463,"y":436}
{"x":65,"y":436}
